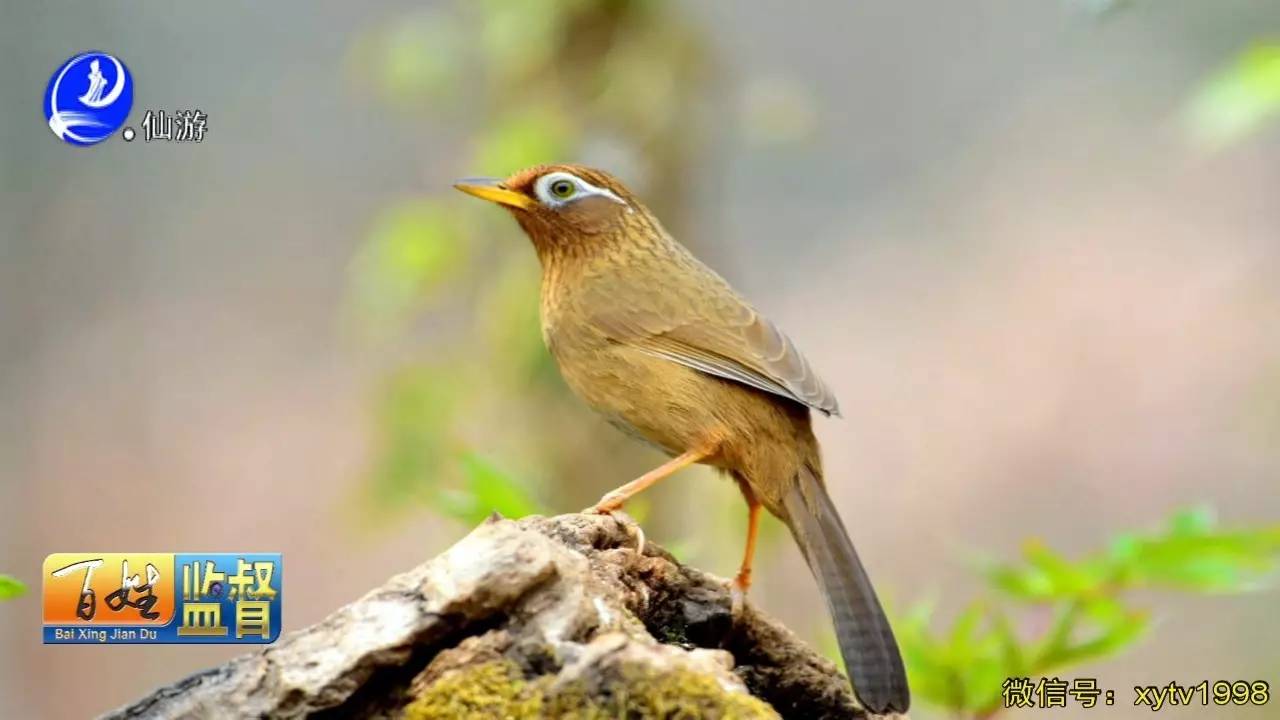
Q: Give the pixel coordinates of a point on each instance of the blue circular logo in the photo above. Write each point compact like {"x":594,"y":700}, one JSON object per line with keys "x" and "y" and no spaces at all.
{"x":88,"y":98}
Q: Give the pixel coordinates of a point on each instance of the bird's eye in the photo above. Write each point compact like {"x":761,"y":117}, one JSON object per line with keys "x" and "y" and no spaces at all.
{"x":562,"y":189}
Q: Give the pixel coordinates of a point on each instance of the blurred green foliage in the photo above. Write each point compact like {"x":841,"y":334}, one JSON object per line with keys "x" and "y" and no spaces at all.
{"x":487,"y":490}
{"x":1048,"y":612}
{"x":1239,"y":99}
{"x":11,"y":587}
{"x":408,"y":258}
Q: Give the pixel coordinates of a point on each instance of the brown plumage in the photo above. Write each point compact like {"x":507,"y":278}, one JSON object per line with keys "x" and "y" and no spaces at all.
{"x":660,"y":345}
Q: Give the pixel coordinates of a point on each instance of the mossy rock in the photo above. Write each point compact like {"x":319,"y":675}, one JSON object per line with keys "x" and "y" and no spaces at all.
{"x":498,"y":690}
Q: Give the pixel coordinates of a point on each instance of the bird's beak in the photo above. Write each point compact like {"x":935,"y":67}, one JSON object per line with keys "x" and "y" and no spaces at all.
{"x":491,"y":189}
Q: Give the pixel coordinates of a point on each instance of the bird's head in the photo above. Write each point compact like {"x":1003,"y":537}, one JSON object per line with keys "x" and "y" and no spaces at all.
{"x":561,"y":206}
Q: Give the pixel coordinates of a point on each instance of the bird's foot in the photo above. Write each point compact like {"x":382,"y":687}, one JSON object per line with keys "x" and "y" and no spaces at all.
{"x":738,"y":594}
{"x":634,"y":531}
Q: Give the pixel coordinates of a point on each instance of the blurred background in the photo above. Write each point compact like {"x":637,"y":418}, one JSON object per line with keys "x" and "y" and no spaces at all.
{"x":1034,"y":247}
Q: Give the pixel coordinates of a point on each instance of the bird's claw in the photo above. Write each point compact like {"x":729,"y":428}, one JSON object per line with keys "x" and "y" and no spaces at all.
{"x":633,"y":528}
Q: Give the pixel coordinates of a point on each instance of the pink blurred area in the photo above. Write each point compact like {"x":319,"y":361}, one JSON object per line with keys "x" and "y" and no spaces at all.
{"x":1046,"y":311}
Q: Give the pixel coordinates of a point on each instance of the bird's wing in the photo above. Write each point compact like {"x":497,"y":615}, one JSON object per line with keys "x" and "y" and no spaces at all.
{"x":705,"y":325}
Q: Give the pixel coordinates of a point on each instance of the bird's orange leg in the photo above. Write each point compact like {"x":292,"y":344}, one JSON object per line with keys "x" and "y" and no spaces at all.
{"x":742,"y":581}
{"x":613,"y":500}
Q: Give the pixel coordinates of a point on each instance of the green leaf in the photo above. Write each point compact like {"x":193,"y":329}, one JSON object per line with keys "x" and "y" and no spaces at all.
{"x":458,"y":504}
{"x":476,"y":490}
{"x":1008,"y":644}
{"x":494,"y":491}
{"x":1237,"y":101}
{"x":1019,"y":583}
{"x":962,"y":669}
{"x":962,"y":638}
{"x":11,"y":587}
{"x":1104,"y":610}
{"x":1111,"y":640}
{"x":1194,"y":555}
{"x":1192,"y":522}
{"x":1047,"y":575}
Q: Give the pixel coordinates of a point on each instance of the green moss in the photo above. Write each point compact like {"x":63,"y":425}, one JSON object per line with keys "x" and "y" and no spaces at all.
{"x":488,"y":690}
{"x":497,"y":690}
{"x":681,"y":694}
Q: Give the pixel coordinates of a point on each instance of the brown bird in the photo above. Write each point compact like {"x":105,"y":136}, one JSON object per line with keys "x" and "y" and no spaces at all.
{"x":660,"y":345}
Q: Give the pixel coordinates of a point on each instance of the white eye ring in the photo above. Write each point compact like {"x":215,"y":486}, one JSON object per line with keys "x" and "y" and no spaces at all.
{"x":578,"y":188}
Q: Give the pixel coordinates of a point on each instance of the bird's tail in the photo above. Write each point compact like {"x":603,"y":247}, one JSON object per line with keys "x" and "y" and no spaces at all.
{"x":866,"y":641}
